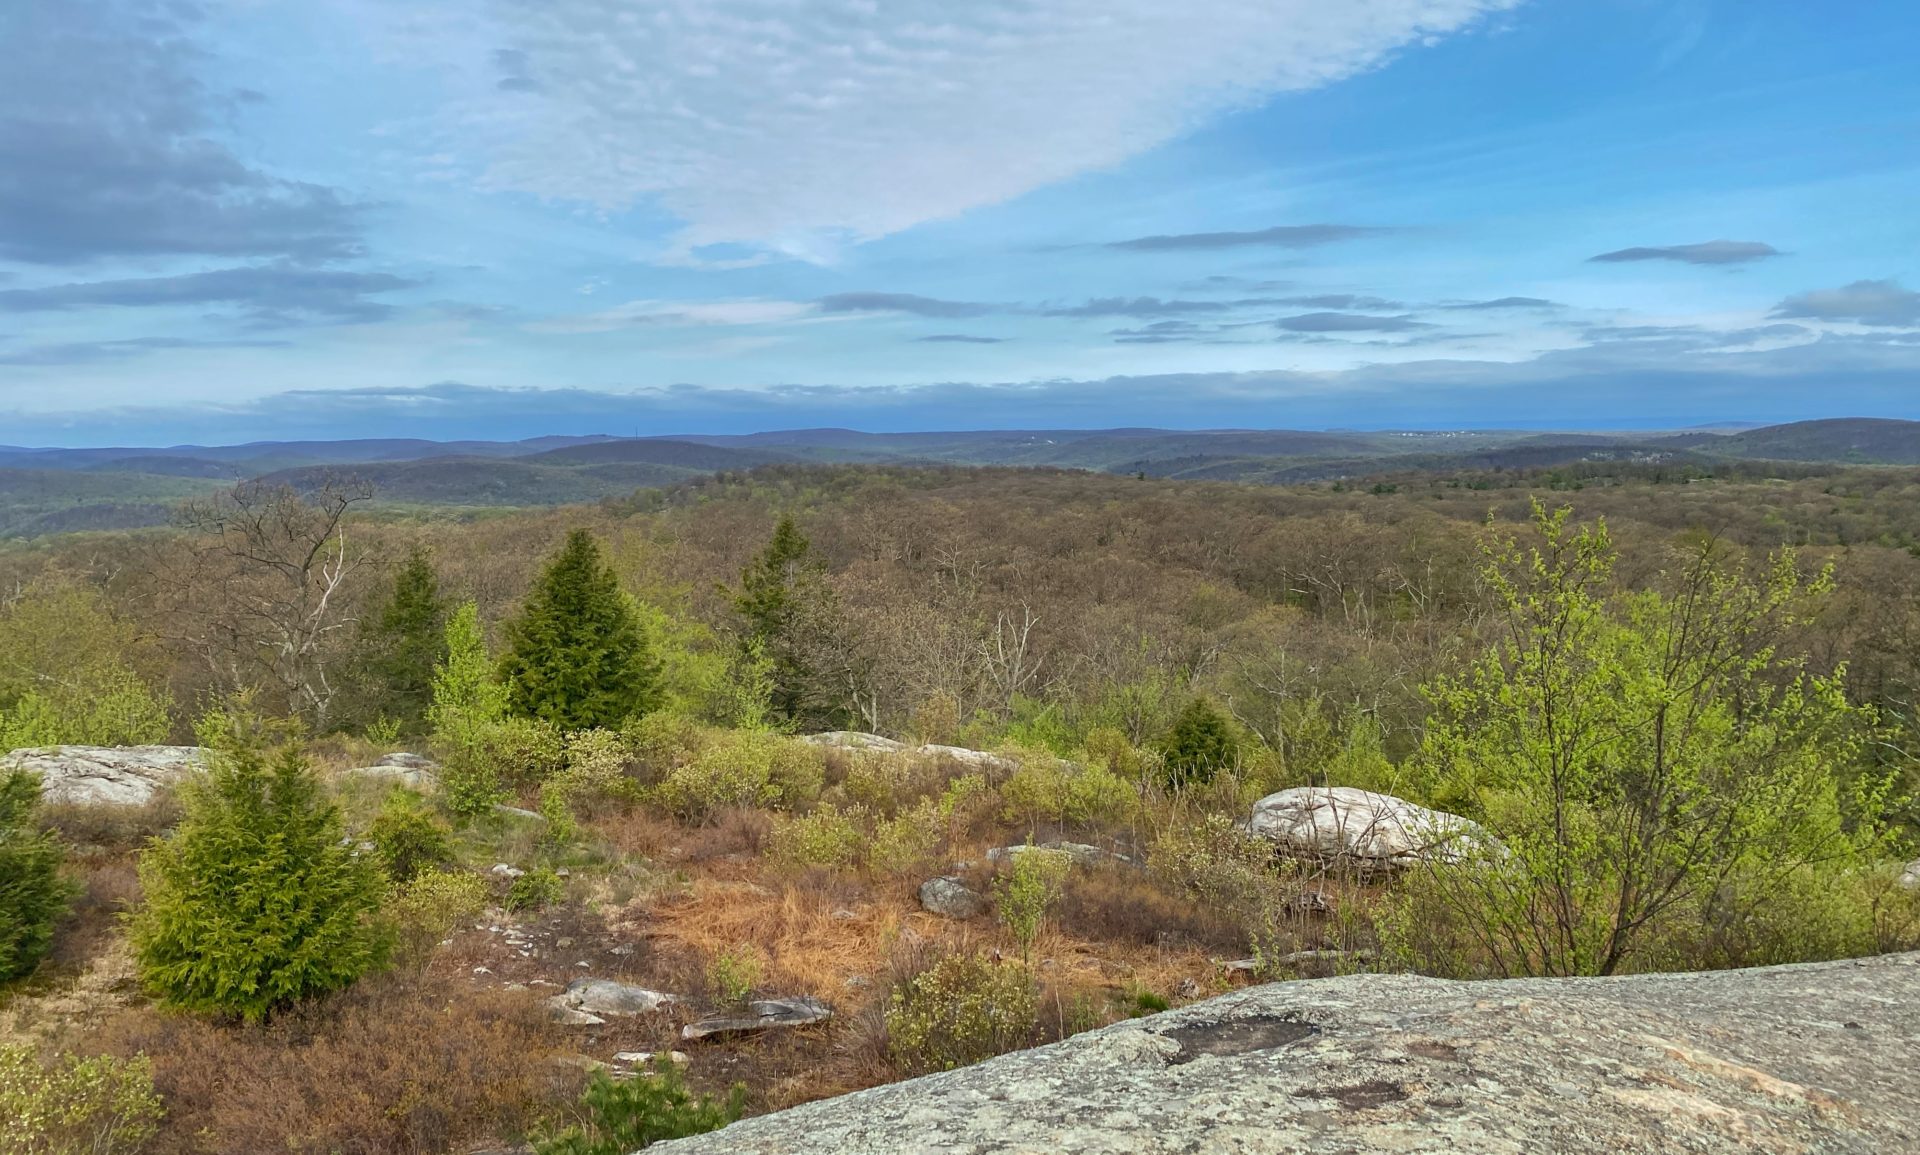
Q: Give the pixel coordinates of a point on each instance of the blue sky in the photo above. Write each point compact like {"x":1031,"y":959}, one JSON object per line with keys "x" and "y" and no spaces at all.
{"x":240,"y":219}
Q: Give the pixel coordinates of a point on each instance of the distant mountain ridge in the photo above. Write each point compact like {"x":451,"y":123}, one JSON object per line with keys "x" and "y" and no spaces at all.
{"x":49,"y":490}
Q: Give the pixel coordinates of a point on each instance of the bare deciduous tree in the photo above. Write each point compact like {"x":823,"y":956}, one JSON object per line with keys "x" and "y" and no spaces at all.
{"x":258,"y":591}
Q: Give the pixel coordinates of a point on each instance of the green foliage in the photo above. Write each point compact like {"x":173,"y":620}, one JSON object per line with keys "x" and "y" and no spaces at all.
{"x":1649,"y":761}
{"x":537,"y":888}
{"x":577,"y":656}
{"x":777,"y":588}
{"x":253,"y":903}
{"x":66,"y":677}
{"x":98,"y":1106}
{"x":827,"y":836}
{"x":960,"y":1010}
{"x":468,"y":708}
{"x":1200,"y":744}
{"x":593,"y":777}
{"x":33,"y":896}
{"x":632,"y":1114}
{"x":407,"y":837}
{"x":406,"y":642}
{"x":740,"y":768}
{"x":1050,"y":790}
{"x":1025,"y":890}
{"x":733,"y":973}
{"x":433,"y":905}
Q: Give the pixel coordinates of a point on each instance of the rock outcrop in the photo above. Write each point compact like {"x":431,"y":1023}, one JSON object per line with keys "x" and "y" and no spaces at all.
{"x":413,"y":771}
{"x":106,"y":775}
{"x":1811,"y":1059}
{"x":1910,"y":875}
{"x":860,"y":740}
{"x":761,"y":1015}
{"x":1341,"y":822}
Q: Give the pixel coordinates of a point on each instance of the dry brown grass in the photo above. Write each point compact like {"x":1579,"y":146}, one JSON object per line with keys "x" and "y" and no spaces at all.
{"x":401,"y":1065}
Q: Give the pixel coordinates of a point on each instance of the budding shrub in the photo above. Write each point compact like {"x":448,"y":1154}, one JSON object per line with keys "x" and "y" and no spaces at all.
{"x":407,"y":838}
{"x":33,"y":896}
{"x":960,"y":1010}
{"x":100,"y":1106}
{"x":254,"y":903}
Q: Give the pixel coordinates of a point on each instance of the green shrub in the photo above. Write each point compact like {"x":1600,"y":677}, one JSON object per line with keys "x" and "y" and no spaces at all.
{"x":101,"y":1106}
{"x":826,"y":837}
{"x":960,"y":1010}
{"x":1048,"y":790}
{"x":631,"y":1114}
{"x":1216,"y":861}
{"x":68,"y":677}
{"x":33,"y":896}
{"x":1200,"y":744}
{"x":535,"y":889}
{"x":1025,"y":890}
{"x":735,"y":768}
{"x":433,"y":905}
{"x":254,"y":903}
{"x":733,"y":974}
{"x":407,"y":837}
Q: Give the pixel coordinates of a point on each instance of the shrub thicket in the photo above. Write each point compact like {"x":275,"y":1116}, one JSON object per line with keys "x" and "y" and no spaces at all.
{"x":960,"y":1010}
{"x":96,"y":1106}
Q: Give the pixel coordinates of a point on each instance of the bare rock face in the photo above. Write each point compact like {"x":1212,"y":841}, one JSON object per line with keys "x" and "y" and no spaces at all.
{"x":860,"y":740}
{"x":106,"y":775}
{"x":762,"y":1014}
{"x":1910,"y":875}
{"x":607,"y":997}
{"x":1813,"y":1060}
{"x":414,"y":771}
{"x":853,"y":740}
{"x":1334,"y":822}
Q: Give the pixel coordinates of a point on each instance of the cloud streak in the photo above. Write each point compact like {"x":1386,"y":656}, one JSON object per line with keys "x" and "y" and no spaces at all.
{"x":1863,"y":302}
{"x":1704,"y":253}
{"x":268,"y":295}
{"x":1279,"y":236}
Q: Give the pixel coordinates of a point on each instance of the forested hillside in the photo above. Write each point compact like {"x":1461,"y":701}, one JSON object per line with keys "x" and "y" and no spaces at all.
{"x":801,"y":778}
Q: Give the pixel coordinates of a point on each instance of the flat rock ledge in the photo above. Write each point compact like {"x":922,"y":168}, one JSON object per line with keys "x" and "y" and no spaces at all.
{"x":1818,"y":1058}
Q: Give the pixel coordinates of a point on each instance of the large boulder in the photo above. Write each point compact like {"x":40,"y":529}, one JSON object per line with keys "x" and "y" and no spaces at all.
{"x":106,"y":775}
{"x":1815,"y":1059}
{"x":413,"y":771}
{"x":1341,"y":822}
{"x":951,"y":897}
{"x":1910,"y":875}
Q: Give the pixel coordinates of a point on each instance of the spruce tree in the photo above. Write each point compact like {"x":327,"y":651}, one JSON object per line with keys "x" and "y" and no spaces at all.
{"x":1200,"y":743}
{"x":33,"y":896}
{"x":254,"y":903}
{"x":408,"y":639}
{"x":775,"y":588}
{"x":578,"y":656}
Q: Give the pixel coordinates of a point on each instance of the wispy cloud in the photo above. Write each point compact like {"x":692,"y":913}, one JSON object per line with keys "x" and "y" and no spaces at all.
{"x":267,"y":295}
{"x":1866,"y":302}
{"x":919,"y":306}
{"x":1334,"y":322}
{"x":89,"y":352}
{"x":960,"y":339}
{"x":766,"y":122}
{"x":1704,"y":253}
{"x":1505,"y":303}
{"x":1279,"y":236}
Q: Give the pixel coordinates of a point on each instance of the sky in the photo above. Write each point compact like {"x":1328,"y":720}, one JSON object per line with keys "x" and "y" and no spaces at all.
{"x":229,"y":220}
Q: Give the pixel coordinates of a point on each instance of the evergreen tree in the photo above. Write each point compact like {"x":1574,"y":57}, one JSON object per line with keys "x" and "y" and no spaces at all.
{"x":254,"y":903}
{"x":408,"y":640}
{"x":33,"y":896}
{"x":1200,"y":743}
{"x":775,"y":589}
{"x":578,"y":656}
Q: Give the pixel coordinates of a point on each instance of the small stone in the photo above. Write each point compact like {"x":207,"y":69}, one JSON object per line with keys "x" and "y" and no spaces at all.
{"x":503,"y":870}
{"x":563,"y":943}
{"x":950,"y":897}
{"x":481,"y":971}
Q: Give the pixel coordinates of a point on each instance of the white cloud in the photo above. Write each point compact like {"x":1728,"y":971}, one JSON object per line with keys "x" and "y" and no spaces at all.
{"x":635,"y":314}
{"x":789,"y":122}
